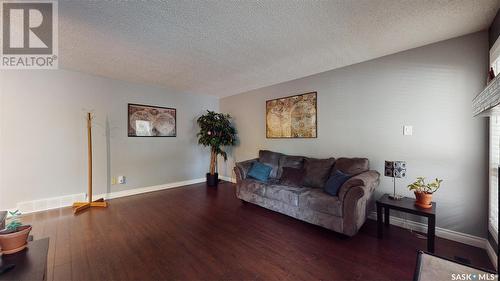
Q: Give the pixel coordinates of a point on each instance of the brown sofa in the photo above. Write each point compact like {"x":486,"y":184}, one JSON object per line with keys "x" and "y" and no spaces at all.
{"x":344,"y":213}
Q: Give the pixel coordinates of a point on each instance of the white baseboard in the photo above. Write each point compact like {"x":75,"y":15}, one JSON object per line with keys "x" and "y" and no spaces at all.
{"x":135,"y":191}
{"x":491,"y":253}
{"x":67,"y":200}
{"x":229,"y":179}
{"x":460,"y":237}
{"x":440,"y":232}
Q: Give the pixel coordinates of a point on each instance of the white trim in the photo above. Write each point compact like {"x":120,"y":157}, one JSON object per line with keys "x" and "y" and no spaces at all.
{"x":135,"y":191}
{"x":491,"y":253}
{"x":229,"y":179}
{"x":440,"y":232}
{"x":67,"y":200}
{"x":492,"y":231}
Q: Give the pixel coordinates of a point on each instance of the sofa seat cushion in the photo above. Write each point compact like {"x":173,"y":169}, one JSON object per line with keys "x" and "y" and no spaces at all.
{"x":318,"y":200}
{"x":286,"y":194}
{"x":253,"y":186}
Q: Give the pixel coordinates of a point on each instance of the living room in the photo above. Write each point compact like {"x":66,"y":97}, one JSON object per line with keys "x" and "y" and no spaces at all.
{"x":208,"y":140}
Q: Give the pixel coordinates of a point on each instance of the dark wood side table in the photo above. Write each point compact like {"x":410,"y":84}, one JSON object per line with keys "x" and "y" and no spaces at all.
{"x":30,"y":263}
{"x":407,"y":205}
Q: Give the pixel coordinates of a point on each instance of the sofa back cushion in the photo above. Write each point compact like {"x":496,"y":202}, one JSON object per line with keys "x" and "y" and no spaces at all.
{"x":317,"y":171}
{"x":272,"y":159}
{"x":351,"y":166}
{"x":288,"y":161}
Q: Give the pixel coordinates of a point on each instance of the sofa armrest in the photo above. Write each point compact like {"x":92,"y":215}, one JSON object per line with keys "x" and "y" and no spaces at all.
{"x":356,"y":194}
{"x":368,"y":179}
{"x":241,"y":169}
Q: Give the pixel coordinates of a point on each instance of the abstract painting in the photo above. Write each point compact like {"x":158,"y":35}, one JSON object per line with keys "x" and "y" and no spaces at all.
{"x":292,"y":117}
{"x":151,"y":121}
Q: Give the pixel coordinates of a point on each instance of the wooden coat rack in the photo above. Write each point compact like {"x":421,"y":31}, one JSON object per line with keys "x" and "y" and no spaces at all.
{"x":81,"y":206}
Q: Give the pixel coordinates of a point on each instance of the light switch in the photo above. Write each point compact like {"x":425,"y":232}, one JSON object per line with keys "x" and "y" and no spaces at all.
{"x":407,"y":130}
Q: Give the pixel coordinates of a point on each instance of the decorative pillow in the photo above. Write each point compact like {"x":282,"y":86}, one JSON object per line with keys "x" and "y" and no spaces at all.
{"x":271,"y":159}
{"x":292,"y":176}
{"x":334,"y":183}
{"x":260,"y":171}
{"x":317,"y":171}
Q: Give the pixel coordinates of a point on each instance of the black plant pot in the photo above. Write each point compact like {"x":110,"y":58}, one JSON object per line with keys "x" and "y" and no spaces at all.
{"x":212,"y":180}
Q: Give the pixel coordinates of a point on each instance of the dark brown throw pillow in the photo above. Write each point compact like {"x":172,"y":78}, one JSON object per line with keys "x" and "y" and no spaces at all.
{"x":317,"y":171}
{"x":292,"y":176}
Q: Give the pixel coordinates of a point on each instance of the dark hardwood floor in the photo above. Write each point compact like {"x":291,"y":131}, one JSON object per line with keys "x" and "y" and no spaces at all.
{"x":195,"y":233}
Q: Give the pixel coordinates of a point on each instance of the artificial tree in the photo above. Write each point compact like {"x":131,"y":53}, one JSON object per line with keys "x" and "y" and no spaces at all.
{"x":216,"y":132}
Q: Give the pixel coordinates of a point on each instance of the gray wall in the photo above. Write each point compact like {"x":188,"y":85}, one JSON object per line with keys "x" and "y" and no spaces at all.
{"x":361,"y":112}
{"x":43,"y":142}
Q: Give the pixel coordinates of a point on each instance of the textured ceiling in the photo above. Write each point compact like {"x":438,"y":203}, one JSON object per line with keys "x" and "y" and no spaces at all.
{"x":222,"y":48}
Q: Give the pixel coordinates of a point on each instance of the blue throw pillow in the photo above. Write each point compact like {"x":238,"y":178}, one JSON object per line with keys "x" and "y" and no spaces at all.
{"x":335,"y":181}
{"x":260,"y":171}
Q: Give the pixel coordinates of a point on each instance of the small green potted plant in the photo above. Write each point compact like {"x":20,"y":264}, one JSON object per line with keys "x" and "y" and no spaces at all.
{"x":15,"y":235}
{"x":423,"y":192}
{"x":216,"y":131}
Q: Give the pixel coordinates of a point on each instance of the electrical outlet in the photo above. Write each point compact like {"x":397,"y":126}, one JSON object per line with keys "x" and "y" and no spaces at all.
{"x":122,"y":179}
{"x":114,"y":180}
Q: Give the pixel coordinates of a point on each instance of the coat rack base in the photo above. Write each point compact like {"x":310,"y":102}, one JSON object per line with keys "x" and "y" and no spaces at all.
{"x":82,"y":206}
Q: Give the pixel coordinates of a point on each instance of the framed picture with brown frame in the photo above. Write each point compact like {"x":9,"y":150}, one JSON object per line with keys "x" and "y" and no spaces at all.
{"x":151,"y":121}
{"x":292,"y":117}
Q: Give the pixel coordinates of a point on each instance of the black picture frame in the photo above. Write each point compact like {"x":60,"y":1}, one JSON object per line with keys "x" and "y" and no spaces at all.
{"x":151,"y":107}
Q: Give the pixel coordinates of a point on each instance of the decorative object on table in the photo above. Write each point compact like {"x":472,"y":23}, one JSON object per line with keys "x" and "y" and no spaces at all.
{"x":292,"y":117}
{"x":395,"y":169}
{"x":14,"y":237}
{"x":151,"y":121}
{"x":215,"y":132}
{"x":406,"y":205}
{"x":3,"y":216}
{"x":423,"y":192}
{"x":80,"y":206}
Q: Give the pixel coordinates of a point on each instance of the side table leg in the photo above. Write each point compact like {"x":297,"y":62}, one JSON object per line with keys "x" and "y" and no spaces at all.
{"x":386,"y":216}
{"x":431,"y":233}
{"x":379,"y":221}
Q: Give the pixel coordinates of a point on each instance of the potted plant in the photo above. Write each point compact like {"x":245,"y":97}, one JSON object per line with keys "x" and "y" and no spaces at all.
{"x":15,"y":235}
{"x":423,"y":192}
{"x":216,"y":131}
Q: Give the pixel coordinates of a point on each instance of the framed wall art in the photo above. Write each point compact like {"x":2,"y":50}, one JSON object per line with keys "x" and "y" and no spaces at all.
{"x":292,"y":117}
{"x":151,"y":121}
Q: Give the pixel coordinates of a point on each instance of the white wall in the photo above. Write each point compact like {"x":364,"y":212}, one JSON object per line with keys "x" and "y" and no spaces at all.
{"x":361,"y":112}
{"x":43,"y":144}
